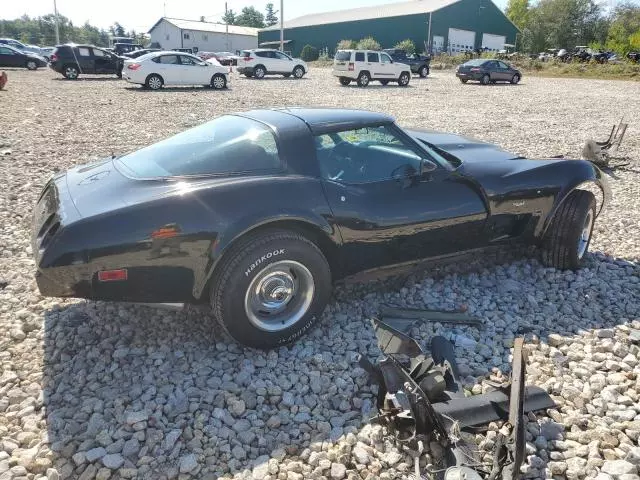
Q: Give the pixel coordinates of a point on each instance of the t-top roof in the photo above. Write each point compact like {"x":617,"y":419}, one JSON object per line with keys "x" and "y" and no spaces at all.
{"x":366,"y":13}
{"x":208,"y":27}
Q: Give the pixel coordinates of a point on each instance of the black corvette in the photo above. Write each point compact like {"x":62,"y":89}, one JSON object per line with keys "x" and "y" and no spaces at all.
{"x":257,"y":213}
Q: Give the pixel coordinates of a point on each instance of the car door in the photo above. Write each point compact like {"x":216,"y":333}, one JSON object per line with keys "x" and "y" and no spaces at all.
{"x":285,"y":63}
{"x":386,"y":67}
{"x":11,"y":58}
{"x":506,"y":72}
{"x":373,"y":64}
{"x":388,"y":208}
{"x":169,"y":68}
{"x":103,"y":61}
{"x":85,"y":59}
{"x":194,"y":71}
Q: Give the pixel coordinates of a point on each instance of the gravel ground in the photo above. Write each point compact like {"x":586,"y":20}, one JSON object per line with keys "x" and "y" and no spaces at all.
{"x":92,"y":390}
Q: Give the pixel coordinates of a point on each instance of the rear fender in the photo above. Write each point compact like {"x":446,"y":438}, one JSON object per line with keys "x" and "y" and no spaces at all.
{"x":326,"y":235}
{"x":590,"y":179}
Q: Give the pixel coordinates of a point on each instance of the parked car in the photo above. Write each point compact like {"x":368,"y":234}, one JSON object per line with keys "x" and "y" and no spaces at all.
{"x":139,"y":53}
{"x":12,"y":57}
{"x":21,"y":46}
{"x":488,"y":71}
{"x":227,"y":58}
{"x":122,"y":48}
{"x":73,"y":60}
{"x":419,"y":63}
{"x":157,"y":69}
{"x":46,"y":52}
{"x":332,"y":192}
{"x":363,"y":66}
{"x":634,"y":57}
{"x":266,"y":61}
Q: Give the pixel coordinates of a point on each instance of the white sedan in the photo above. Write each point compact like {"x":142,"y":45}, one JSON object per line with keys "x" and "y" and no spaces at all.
{"x":156,"y":69}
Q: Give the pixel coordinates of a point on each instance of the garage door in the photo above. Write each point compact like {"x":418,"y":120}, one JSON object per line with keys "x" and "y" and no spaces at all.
{"x":493,"y":43}
{"x":461,"y":41}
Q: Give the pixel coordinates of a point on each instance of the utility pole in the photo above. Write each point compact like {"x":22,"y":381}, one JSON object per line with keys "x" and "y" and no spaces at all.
{"x":226,"y":21}
{"x":282,"y":25}
{"x":55,"y":14}
{"x":429,"y":46}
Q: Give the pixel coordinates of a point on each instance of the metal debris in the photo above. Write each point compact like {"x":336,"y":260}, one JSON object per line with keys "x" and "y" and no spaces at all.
{"x":600,"y":152}
{"x":400,"y":315}
{"x":421,"y":396}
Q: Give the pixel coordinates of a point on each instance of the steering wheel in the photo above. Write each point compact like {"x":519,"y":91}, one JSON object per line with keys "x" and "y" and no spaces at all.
{"x":339,"y":159}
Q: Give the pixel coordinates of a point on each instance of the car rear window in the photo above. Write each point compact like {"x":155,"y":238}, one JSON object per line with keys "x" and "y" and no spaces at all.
{"x":342,"y":56}
{"x":474,"y":63}
{"x":227,"y":145}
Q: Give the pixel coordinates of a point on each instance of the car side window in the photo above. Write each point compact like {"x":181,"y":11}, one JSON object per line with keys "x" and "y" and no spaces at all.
{"x":99,"y":53}
{"x":359,"y":56}
{"x":281,"y":56}
{"x":264,"y":54}
{"x":6,"y":51}
{"x":372,"y":57}
{"x":168,"y":59}
{"x":84,"y":52}
{"x":384,"y":58}
{"x":187,"y":60}
{"x":366,"y":155}
{"x":503,"y":65}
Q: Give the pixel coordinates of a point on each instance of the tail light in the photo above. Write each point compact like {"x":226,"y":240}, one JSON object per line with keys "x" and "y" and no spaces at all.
{"x":113,"y":275}
{"x":476,"y":70}
{"x":53,"y":57}
{"x":352,"y":67}
{"x":133,"y":66}
{"x":247,"y":59}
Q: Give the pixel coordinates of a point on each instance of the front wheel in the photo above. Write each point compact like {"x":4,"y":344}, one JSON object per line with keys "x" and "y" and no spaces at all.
{"x":271,"y":289}
{"x":31,"y":65}
{"x":344,"y":81}
{"x":298,"y":72}
{"x":569,"y":234}
{"x":515,"y":79}
{"x":218,"y":81}
{"x":404,"y":79}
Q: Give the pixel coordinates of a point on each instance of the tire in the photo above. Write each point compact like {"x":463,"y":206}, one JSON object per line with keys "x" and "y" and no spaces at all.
{"x":272,"y":261}
{"x":248,"y":75}
{"x":384,"y":82}
{"x":218,"y":81}
{"x":286,"y":75}
{"x":154,"y":82}
{"x":485,"y":80}
{"x":71,"y":72}
{"x":423,"y":71}
{"x":363,"y":79}
{"x":515,"y":79}
{"x":404,"y":79}
{"x":31,"y":65}
{"x":259,"y":71}
{"x":298,"y":72}
{"x":569,"y":234}
{"x":464,"y":80}
{"x":344,"y":81}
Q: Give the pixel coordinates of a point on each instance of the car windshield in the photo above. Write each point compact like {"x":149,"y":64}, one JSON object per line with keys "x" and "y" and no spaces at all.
{"x":146,"y":56}
{"x":474,"y":63}
{"x":343,"y":56}
{"x":227,"y":145}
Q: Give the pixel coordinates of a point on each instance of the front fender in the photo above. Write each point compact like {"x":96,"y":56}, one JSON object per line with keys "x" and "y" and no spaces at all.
{"x":583,"y":175}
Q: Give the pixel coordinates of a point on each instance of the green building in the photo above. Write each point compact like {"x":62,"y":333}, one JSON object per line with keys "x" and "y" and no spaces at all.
{"x":439,"y":26}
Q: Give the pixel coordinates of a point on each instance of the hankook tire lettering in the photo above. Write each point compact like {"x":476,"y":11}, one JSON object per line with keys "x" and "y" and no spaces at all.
{"x":263,"y":258}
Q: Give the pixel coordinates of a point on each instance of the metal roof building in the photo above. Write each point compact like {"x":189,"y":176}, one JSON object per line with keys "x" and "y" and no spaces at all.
{"x":172,"y":33}
{"x":452,"y":26}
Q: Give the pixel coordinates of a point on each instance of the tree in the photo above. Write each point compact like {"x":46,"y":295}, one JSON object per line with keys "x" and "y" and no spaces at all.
{"x":250,"y":17}
{"x":624,"y":33}
{"x":117,"y":30}
{"x":368,"y":43}
{"x":346,"y":45}
{"x":271,"y":18}
{"x":229,"y":17}
{"x":309,"y":53}
{"x":406,"y":45}
{"x":518,"y":11}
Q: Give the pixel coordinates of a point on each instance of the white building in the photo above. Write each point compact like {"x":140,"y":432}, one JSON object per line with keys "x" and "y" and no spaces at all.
{"x":171,"y":33}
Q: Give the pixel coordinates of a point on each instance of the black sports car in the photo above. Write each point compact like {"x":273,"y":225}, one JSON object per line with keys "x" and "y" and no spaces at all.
{"x":256,"y":213}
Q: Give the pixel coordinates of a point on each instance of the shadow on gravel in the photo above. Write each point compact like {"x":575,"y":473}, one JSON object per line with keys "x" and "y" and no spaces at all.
{"x":196,"y":88}
{"x":148,"y":392}
{"x":87,"y":79}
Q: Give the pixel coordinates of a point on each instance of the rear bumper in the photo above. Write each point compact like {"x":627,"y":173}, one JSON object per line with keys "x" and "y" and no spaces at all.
{"x":244,"y":70}
{"x":344,"y":74}
{"x":469,"y":75}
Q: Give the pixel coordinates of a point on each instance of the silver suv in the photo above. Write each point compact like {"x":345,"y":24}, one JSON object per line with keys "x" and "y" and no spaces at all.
{"x":266,"y":61}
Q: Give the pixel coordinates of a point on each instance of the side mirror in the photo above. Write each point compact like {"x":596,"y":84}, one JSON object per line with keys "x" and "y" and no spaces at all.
{"x":427,"y":166}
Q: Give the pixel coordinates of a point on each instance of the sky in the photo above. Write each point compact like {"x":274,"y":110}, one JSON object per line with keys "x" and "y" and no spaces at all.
{"x":141,"y":15}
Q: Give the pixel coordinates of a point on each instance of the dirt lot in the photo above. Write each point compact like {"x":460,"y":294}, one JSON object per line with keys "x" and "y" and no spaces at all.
{"x":92,"y":390}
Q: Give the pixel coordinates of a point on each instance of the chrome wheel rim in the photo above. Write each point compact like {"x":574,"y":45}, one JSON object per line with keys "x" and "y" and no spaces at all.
{"x":585,"y":235}
{"x":71,"y":72}
{"x":404,"y":80}
{"x":259,"y":73}
{"x":155,"y":83}
{"x":364,"y":80}
{"x":298,"y":73}
{"x":279,"y":296}
{"x":218,"y":82}
{"x":31,"y":65}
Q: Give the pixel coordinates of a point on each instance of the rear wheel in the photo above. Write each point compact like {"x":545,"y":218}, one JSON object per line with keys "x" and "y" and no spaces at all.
{"x":259,"y":71}
{"x":218,"y":81}
{"x":486,"y":79}
{"x":363,"y":79}
{"x":424,"y":71}
{"x":569,"y":234}
{"x":271,"y":289}
{"x":31,"y":65}
{"x":404,"y":79}
{"x":345,"y":81}
{"x":464,"y":80}
{"x":298,"y":72}
{"x":154,"y":82}
{"x":71,"y":72}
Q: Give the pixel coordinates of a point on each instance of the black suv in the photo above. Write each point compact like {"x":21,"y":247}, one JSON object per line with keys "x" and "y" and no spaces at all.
{"x":419,"y":63}
{"x":73,"y":60}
